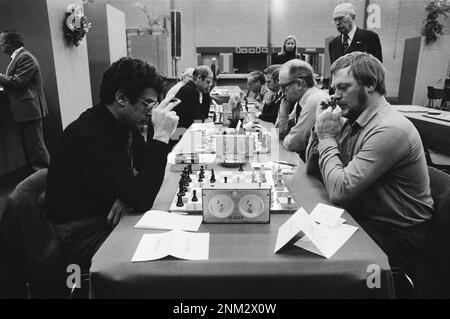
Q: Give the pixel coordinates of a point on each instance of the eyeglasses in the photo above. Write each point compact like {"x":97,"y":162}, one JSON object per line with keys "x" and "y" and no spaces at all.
{"x":284,"y":86}
{"x":341,"y":19}
{"x":149,"y":103}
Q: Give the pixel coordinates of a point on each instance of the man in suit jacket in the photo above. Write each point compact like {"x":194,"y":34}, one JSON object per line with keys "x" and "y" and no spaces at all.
{"x":23,"y":85}
{"x":352,"y":38}
{"x":195,"y":98}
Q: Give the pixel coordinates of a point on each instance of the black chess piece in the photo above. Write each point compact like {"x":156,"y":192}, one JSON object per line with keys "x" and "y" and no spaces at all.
{"x":225,"y":179}
{"x":213,"y":177}
{"x":180,"y":200}
{"x":200,"y":178}
{"x":182,"y":188}
{"x":241,"y":168}
{"x":202,"y":172}
{"x":194,"y":196}
{"x":190,"y":169}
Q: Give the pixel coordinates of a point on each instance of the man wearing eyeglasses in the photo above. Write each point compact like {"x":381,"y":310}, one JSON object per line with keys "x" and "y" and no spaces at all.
{"x":299,"y":87}
{"x":102,"y":167}
{"x":352,"y":38}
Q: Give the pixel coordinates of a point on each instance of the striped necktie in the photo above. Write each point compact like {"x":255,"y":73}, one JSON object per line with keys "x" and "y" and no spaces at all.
{"x":345,"y":41}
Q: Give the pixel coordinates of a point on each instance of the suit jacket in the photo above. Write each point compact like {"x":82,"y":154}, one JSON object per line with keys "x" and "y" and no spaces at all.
{"x":363,"y":40}
{"x":190,"y":108}
{"x":23,"y":85}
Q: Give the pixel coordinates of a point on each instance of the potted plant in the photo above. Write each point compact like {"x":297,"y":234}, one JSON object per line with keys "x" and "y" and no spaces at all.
{"x":432,"y":27}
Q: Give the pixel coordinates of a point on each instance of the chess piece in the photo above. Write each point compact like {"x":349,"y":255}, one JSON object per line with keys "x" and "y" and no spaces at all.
{"x":262,"y":177}
{"x":200,"y":178}
{"x":279,"y":184}
{"x":264,"y":141}
{"x":254,"y":177}
{"x":194,"y":196}
{"x":202,"y":172}
{"x":183,"y":189}
{"x":225,"y":179}
{"x":241,"y":168}
{"x":190,"y":169}
{"x":213,"y":177}
{"x":180,"y":200}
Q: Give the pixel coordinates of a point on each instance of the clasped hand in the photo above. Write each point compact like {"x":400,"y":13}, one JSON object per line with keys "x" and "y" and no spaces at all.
{"x":328,"y":121}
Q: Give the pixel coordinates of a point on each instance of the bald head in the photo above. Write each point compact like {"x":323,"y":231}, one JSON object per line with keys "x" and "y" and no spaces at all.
{"x":296,"y":68}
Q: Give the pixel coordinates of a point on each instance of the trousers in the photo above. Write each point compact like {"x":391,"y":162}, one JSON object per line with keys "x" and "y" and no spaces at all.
{"x":33,"y":143}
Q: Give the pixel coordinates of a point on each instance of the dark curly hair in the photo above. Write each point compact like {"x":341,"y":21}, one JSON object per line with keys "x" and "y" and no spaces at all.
{"x":132,"y":77}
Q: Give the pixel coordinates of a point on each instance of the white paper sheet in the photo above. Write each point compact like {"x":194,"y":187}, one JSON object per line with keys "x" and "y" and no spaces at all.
{"x":177,"y":243}
{"x":156,"y":219}
{"x":328,"y":239}
{"x":316,"y":238}
{"x":327,"y":215}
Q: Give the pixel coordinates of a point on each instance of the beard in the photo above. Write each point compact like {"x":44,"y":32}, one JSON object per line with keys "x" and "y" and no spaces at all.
{"x":353,"y":113}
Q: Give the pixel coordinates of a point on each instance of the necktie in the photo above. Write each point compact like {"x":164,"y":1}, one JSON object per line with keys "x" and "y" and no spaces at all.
{"x":345,"y":41}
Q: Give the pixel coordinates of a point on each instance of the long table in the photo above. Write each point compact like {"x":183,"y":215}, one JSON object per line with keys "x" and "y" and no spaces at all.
{"x":435,"y":131}
{"x":241,"y":260}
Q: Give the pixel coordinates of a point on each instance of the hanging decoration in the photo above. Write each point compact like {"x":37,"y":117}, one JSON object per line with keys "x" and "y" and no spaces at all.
{"x":76,"y":24}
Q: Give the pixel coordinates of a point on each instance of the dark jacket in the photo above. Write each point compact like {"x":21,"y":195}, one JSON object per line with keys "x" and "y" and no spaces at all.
{"x":282,"y":58}
{"x":363,"y":40}
{"x":91,"y":169}
{"x":190,"y":108}
{"x":270,"y":110}
{"x":23,"y":85}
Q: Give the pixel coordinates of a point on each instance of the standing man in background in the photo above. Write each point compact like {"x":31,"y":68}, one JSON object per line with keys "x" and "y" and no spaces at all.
{"x":352,"y":38}
{"x":23,"y":85}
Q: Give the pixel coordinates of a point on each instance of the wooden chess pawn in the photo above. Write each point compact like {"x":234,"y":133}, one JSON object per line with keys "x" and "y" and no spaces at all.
{"x":180,"y":200}
{"x":194,"y":196}
{"x":213,"y":177}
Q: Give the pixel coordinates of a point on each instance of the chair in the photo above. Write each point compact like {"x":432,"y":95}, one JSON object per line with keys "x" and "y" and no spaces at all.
{"x":34,"y":261}
{"x":433,"y":278}
{"x":434,"y":94}
{"x":445,"y":99}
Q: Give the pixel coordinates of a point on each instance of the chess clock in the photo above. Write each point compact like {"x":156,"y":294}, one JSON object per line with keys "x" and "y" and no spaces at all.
{"x":236,"y":204}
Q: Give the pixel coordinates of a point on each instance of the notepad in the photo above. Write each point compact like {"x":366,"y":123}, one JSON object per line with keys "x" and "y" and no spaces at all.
{"x":176,"y":243}
{"x":157,"y":219}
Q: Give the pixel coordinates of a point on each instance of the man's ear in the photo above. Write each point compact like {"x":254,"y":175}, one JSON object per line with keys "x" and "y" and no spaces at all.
{"x":121,"y":98}
{"x":371,"y":88}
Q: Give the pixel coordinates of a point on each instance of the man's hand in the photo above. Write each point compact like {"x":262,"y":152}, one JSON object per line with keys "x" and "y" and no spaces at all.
{"x":118,"y":209}
{"x":164,"y":120}
{"x":328,"y":123}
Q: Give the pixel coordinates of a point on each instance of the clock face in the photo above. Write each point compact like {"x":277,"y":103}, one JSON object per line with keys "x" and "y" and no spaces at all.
{"x":221,"y":206}
{"x":251,"y":206}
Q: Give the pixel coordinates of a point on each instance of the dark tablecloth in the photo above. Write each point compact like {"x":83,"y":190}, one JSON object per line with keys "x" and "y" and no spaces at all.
{"x":241,"y":260}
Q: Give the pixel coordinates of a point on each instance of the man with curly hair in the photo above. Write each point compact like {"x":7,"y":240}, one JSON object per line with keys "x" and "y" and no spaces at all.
{"x":102,"y":167}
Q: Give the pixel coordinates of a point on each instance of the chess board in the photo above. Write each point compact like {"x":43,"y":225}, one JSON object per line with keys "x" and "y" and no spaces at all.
{"x":282,"y":200}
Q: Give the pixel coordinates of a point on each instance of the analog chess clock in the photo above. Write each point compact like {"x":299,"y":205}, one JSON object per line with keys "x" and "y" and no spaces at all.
{"x":234,"y":203}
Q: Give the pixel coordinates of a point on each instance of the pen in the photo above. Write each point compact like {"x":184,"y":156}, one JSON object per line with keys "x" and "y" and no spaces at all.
{"x":285,"y":163}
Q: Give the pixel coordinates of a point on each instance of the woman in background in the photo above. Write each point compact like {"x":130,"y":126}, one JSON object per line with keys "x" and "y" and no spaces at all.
{"x":288,"y":52}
